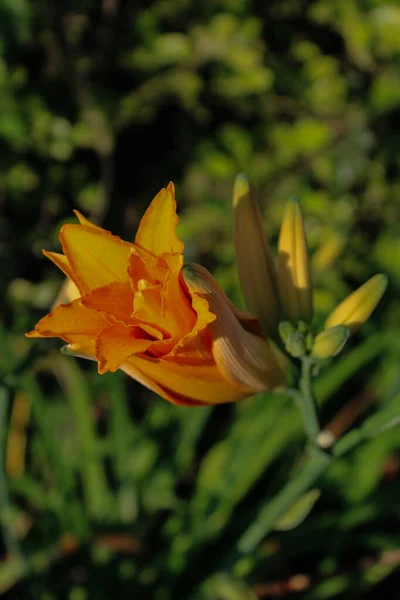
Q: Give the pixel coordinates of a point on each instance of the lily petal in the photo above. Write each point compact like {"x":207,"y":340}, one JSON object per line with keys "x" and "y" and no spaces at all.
{"x":68,"y":290}
{"x":174,"y":301}
{"x":60,"y":261}
{"x":116,"y":343}
{"x":84,"y":221}
{"x":73,"y":323}
{"x":247,"y":320}
{"x":148,"y":307}
{"x":196,"y":345}
{"x":95,"y":255}
{"x":242,"y":357}
{"x":115,"y":299}
{"x":182,"y":383}
{"x":156,"y":231}
{"x":143,"y":265}
{"x":67,"y":293}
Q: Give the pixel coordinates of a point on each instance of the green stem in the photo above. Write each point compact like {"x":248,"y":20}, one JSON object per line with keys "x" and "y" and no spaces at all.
{"x":316,"y":463}
{"x":307,"y":402}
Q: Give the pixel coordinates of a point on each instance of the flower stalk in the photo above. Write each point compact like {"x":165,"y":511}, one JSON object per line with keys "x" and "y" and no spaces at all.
{"x":307,"y":402}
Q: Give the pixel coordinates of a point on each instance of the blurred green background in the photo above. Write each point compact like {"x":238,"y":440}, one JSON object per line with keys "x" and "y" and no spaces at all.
{"x":107,"y":491}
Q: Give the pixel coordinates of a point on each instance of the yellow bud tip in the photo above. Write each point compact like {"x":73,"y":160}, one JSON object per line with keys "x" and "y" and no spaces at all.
{"x":242,"y":187}
{"x":356,"y":309}
{"x":330,"y":342}
{"x":294,"y":265}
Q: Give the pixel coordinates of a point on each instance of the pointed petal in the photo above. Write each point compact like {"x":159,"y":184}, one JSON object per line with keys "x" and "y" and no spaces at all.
{"x":73,"y":323}
{"x":116,"y":343}
{"x":60,"y":261}
{"x":84,"y":221}
{"x":68,"y":290}
{"x":156,"y":231}
{"x":358,"y":307}
{"x":242,"y":357}
{"x":96,"y":256}
{"x":254,"y":259}
{"x":294,"y":266}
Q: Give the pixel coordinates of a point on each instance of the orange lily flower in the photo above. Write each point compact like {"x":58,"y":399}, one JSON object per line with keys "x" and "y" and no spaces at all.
{"x":168,"y":326}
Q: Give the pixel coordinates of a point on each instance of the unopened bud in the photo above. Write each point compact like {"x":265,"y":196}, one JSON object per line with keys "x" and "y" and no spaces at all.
{"x":330,"y":342}
{"x":294,"y":266}
{"x":358,"y":307}
{"x":285,"y":328}
{"x":257,"y":273}
{"x":296,"y":345}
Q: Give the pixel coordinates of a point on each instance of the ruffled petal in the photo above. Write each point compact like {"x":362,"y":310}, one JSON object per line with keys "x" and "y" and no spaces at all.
{"x":156,"y":231}
{"x":116,"y":343}
{"x":148,"y":308}
{"x":175,"y":303}
{"x":95,"y":255}
{"x":115,"y":299}
{"x":142,"y":265}
{"x":196,"y":345}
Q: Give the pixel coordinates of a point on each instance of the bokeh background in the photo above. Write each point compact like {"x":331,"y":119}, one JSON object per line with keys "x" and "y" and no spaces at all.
{"x":106,"y":490}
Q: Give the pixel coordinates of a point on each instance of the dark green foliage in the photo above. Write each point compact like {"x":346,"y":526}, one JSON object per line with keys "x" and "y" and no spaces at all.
{"x":118,"y":493}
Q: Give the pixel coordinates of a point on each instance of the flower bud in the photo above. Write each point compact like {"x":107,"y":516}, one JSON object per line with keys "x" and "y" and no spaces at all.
{"x":358,"y":307}
{"x":285,"y":328}
{"x":255,"y":263}
{"x":294,"y":266}
{"x":330,"y":342}
{"x":296,"y":344}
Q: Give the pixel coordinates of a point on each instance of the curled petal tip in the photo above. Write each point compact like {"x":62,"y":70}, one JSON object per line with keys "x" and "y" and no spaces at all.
{"x":75,"y":350}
